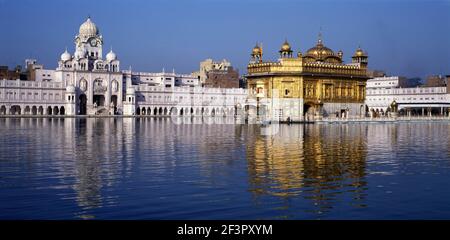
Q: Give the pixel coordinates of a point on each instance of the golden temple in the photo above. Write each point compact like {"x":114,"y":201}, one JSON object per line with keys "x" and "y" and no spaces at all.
{"x":314,"y":85}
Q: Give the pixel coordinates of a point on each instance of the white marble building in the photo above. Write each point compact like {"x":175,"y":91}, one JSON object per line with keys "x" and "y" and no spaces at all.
{"x":381,"y":92}
{"x":85,"y":83}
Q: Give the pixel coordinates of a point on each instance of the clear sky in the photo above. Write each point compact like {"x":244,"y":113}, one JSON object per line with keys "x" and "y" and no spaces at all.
{"x":409,"y":38}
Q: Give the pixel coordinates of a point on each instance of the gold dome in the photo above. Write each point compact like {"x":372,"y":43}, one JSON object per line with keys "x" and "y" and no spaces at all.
{"x":256,"y":50}
{"x":319,"y":50}
{"x":359,"y":52}
{"x":285,"y":47}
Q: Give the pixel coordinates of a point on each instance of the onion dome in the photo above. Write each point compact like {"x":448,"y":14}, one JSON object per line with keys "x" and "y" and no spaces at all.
{"x":360,"y":53}
{"x":66,"y":56}
{"x":320,"y":50}
{"x":285,"y":47}
{"x":256,"y":50}
{"x":111,"y":56}
{"x":88,"y":29}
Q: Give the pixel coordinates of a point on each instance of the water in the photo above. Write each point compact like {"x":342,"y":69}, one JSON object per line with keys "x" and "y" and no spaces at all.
{"x":154,"y":169}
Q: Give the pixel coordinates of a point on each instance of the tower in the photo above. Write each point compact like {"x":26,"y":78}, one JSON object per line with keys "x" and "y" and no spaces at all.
{"x":89,"y":43}
{"x":257,"y":53}
{"x":285,"y":51}
{"x":129,"y":105}
{"x":360,"y":57}
{"x":70,"y":101}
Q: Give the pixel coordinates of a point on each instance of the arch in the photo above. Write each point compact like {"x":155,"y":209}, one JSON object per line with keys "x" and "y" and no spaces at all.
{"x":203,"y":111}
{"x":27,"y":110}
{"x":173,"y":111}
{"x":149,"y":111}
{"x":82,"y":101}
{"x":55,"y":110}
{"x":213,"y":112}
{"x":165,"y":111}
{"x":3,"y":110}
{"x":181,"y":112}
{"x":114,"y":102}
{"x":143,"y":111}
{"x":49,"y":110}
{"x":155,"y":111}
{"x":138,"y":111}
{"x":62,"y":110}
{"x":160,"y":112}
{"x":34,"y":110}
{"x":41,"y":110}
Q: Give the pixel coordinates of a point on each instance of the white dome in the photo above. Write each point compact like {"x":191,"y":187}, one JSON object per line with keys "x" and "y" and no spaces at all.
{"x":88,"y":29}
{"x":66,"y":56}
{"x":111,"y":56}
{"x":130,"y":91}
{"x":79,"y":54}
{"x":70,"y":89}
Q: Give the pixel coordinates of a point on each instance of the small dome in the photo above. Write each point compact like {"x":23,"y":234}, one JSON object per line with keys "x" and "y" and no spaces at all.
{"x":88,"y":29}
{"x":131,"y":91}
{"x":285,"y":47}
{"x":111,"y":56}
{"x":359,"y":52}
{"x":66,"y":56}
{"x":70,"y":89}
{"x":256,"y":50}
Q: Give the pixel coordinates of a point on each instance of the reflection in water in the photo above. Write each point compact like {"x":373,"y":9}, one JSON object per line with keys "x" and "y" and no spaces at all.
{"x":151,"y":168}
{"x":316,"y":162}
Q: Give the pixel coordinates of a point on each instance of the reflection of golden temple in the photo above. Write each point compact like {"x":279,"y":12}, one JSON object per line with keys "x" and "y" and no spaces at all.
{"x":315,"y":84}
{"x":309,"y":161}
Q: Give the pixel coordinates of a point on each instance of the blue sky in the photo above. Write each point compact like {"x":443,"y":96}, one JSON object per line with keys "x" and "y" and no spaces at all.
{"x":409,"y":38}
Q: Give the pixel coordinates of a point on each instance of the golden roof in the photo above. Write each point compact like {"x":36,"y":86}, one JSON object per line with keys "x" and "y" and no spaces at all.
{"x":320,"y":50}
{"x":285,"y":47}
{"x":256,"y":50}
{"x":359,"y":52}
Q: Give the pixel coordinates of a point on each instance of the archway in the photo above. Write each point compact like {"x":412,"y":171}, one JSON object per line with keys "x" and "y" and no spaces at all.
{"x":173,"y":111}
{"x":149,"y":111}
{"x":138,"y":111}
{"x":99,"y":100}
{"x":55,"y":110}
{"x":143,"y":111}
{"x":34,"y":110}
{"x":82,"y":104}
{"x":165,"y":111}
{"x":160,"y":111}
{"x":114,"y":103}
{"x":27,"y":110}
{"x":41,"y":110}
{"x":62,"y":111}
{"x":3,"y":110}
{"x":15,"y":110}
{"x":49,"y":110}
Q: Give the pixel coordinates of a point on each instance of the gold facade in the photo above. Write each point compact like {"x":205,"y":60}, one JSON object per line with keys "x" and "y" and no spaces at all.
{"x":316,"y":81}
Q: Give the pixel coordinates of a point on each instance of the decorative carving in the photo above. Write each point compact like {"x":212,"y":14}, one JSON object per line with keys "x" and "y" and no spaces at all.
{"x":83,"y":85}
{"x":114,"y":86}
{"x":99,"y":87}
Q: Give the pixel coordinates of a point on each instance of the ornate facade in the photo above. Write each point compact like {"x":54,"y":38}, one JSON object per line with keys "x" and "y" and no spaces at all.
{"x":85,"y":83}
{"x":306,"y":86}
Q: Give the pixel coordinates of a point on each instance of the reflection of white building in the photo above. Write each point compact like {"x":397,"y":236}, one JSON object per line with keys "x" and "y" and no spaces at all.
{"x":85,"y":83}
{"x":420,"y":100}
